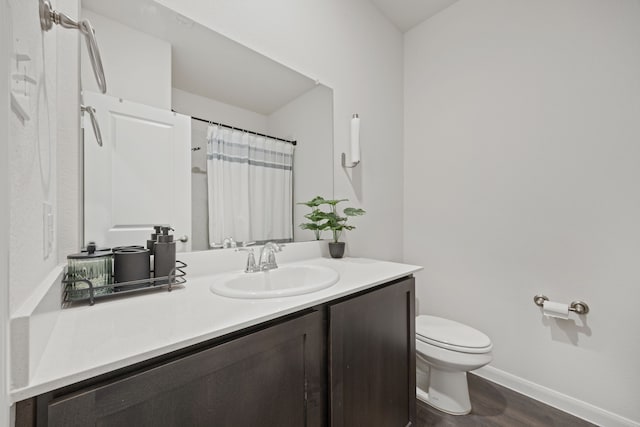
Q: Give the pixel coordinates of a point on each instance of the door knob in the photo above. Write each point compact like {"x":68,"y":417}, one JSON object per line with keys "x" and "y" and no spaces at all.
{"x":184,"y":239}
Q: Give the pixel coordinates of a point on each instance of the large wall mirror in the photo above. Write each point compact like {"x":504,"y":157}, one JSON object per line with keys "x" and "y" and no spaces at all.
{"x":181,"y":97}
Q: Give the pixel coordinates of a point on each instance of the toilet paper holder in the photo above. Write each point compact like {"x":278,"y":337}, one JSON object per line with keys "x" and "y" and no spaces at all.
{"x":578,"y":307}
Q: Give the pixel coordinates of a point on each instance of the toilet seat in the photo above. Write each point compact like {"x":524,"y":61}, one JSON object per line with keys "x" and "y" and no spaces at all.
{"x":451,"y":335}
{"x":445,"y":352}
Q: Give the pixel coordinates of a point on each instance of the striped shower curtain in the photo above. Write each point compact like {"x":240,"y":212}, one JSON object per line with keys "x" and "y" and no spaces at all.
{"x":250,"y":186}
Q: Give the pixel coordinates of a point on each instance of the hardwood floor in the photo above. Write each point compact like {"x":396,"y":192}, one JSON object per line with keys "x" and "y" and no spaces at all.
{"x":497,"y":406}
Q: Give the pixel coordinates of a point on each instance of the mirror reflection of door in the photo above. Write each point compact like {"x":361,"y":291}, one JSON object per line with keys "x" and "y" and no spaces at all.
{"x":139,"y":175}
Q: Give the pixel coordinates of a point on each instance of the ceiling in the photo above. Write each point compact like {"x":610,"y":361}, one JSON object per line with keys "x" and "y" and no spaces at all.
{"x":405,"y":14}
{"x":206,"y":63}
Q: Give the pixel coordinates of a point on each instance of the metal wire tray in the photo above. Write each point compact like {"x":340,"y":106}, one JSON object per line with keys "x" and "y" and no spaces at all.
{"x":91,"y":292}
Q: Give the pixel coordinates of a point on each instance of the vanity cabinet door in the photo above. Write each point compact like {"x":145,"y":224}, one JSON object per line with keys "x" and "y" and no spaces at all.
{"x":372,"y":358}
{"x":272,"y":377}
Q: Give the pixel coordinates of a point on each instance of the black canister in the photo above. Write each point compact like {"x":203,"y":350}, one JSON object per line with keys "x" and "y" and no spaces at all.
{"x":164,"y":256}
{"x":131,"y":263}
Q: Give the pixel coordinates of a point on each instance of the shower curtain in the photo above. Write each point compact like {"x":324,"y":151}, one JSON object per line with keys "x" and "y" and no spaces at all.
{"x":250,"y":186}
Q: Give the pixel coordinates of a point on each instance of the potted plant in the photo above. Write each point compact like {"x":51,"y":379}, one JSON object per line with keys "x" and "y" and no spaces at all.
{"x":315,"y":217}
{"x":320,"y":220}
{"x":337,"y":224}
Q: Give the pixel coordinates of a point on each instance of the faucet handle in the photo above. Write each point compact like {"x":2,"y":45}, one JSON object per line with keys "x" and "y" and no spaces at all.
{"x":251,"y":260}
{"x":251,"y":263}
{"x":275,"y":246}
{"x":271,"y":259}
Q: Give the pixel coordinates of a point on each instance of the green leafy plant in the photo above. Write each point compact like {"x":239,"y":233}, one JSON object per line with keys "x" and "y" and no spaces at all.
{"x":338,"y":223}
{"x":331,"y":220}
{"x":315,"y":217}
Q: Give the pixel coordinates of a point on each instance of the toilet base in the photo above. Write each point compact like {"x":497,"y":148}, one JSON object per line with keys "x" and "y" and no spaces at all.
{"x":444,"y":390}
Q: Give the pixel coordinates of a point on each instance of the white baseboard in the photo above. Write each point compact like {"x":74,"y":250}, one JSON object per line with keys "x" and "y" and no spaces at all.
{"x":553,"y":398}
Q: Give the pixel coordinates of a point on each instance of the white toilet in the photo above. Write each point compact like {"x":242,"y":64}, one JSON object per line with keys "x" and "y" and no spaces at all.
{"x":445,"y":351}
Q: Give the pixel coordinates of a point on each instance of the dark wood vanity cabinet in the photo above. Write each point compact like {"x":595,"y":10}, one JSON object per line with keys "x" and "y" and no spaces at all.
{"x":272,"y":377}
{"x":345,"y":363}
{"x":372,"y":375}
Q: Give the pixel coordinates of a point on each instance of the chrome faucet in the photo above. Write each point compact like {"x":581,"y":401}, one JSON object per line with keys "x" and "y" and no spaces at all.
{"x":229,"y":243}
{"x":267,"y":259}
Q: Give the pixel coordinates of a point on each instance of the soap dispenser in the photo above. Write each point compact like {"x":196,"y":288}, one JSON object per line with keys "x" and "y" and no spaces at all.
{"x":164,"y":255}
{"x":154,"y":238}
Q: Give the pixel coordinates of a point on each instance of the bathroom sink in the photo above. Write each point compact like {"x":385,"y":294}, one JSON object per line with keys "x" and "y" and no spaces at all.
{"x":284,"y":281}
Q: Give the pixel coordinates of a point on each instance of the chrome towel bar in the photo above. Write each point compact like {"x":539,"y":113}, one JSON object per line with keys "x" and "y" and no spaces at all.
{"x":94,"y":122}
{"x":49,"y":16}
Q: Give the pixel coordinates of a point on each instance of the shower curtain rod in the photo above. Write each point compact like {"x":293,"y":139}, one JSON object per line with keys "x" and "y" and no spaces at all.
{"x":242,"y":130}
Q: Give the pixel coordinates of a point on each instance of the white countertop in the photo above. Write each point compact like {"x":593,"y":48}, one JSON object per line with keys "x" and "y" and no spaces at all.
{"x":87,"y":341}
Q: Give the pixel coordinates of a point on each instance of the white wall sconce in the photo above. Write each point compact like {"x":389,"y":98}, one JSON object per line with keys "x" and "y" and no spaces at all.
{"x":354,"y":144}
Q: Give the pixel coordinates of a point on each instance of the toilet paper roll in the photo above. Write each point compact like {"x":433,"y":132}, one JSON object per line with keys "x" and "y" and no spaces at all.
{"x":555,"y":309}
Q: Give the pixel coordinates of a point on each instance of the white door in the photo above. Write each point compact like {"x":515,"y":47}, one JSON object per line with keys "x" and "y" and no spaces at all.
{"x":140,"y":177}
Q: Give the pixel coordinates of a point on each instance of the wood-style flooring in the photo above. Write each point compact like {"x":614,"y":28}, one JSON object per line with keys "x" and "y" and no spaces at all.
{"x":497,"y":406}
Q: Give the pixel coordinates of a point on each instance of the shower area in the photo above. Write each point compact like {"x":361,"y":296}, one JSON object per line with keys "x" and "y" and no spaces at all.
{"x":242,"y":185}
{"x":251,"y":166}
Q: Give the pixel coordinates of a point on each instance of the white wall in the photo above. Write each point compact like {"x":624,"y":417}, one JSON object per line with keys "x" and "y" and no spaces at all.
{"x":32,"y":150}
{"x":37,"y":150}
{"x":308,"y":119}
{"x":30,"y":178}
{"x":4,"y":210}
{"x":129,"y":57}
{"x":206,"y":108}
{"x":350,"y":47}
{"x":199,"y":185}
{"x":210,"y":109}
{"x":522,"y":166}
{"x":69,"y":146}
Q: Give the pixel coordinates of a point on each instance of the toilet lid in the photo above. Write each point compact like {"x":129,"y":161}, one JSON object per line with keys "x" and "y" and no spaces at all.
{"x":451,"y":335}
